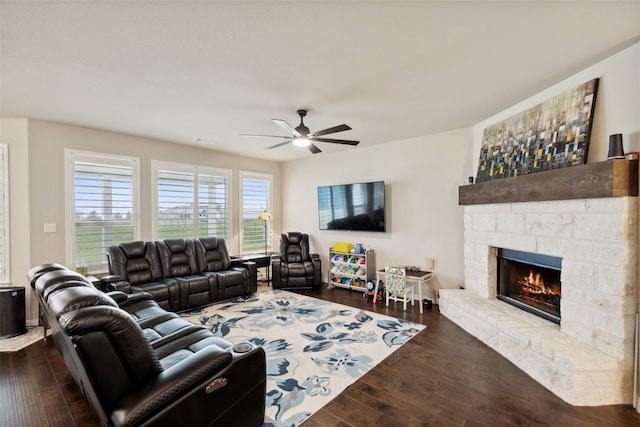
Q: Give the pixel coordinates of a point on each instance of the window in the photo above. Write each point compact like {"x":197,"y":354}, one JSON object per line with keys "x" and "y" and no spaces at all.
{"x":190,"y":201}
{"x":4,"y":213}
{"x":103,"y":199}
{"x":256,"y":198}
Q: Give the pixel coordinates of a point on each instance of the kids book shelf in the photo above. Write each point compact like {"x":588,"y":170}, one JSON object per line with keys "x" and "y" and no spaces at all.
{"x":351,"y":270}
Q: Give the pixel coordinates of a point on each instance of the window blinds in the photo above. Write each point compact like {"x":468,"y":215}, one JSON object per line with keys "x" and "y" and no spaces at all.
{"x":104,"y":209}
{"x":192,"y":203}
{"x":256,"y":198}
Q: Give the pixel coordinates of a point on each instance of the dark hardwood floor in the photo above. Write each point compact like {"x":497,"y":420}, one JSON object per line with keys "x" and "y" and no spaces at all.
{"x":441,"y":377}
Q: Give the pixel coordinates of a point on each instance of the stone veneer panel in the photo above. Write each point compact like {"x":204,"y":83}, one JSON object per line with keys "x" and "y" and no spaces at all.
{"x":587,"y":360}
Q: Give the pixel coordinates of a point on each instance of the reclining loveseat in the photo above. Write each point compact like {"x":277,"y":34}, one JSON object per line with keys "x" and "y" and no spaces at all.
{"x":140,"y":365}
{"x":180,"y":273}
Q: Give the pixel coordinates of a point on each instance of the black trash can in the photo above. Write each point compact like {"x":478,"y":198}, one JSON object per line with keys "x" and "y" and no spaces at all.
{"x":12,"y":312}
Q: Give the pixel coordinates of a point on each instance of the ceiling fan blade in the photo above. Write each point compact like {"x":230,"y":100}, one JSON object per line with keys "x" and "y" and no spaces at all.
{"x":314,"y":149}
{"x":286,"y":126}
{"x":337,"y":141}
{"x":339,"y":128}
{"x":277,"y":145}
{"x":264,"y":136}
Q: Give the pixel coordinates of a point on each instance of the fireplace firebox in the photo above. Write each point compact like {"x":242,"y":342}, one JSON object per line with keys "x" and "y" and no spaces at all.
{"x":530,"y":282}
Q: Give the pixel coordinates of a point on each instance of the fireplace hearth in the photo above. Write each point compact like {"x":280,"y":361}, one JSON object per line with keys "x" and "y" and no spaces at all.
{"x":530,"y":282}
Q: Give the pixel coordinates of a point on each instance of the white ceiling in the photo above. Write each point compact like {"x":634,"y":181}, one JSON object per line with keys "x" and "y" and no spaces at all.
{"x":181,"y":70}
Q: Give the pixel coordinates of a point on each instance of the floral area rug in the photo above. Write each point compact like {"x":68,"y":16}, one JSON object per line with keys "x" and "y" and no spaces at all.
{"x":315,"y":349}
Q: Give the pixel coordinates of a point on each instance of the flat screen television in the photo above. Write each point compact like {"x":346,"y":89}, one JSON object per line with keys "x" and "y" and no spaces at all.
{"x":352,"y":207}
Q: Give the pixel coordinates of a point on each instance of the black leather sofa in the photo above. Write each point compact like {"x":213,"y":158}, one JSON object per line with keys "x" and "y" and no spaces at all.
{"x":180,"y":273}
{"x":140,"y":365}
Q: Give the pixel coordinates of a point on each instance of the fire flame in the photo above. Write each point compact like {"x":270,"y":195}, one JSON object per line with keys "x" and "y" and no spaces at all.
{"x":534,"y":284}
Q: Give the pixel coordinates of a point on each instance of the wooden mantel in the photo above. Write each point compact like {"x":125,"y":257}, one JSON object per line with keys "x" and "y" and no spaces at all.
{"x":612,"y":178}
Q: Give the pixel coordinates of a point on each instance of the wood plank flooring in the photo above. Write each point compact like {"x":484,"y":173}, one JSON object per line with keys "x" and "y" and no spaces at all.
{"x":441,"y":377}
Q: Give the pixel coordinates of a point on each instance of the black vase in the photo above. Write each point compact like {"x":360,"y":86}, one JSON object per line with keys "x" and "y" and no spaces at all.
{"x":616,"y":151}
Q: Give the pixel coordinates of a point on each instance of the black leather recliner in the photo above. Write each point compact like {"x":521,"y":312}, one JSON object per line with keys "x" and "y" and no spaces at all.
{"x":138,"y":263}
{"x":295,"y":267}
{"x":140,"y":365}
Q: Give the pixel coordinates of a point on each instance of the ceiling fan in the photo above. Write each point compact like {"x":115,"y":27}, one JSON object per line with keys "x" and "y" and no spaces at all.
{"x":303,"y":137}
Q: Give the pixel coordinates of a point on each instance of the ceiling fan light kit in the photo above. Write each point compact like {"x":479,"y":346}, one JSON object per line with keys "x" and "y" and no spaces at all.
{"x":301,"y":142}
{"x":303,"y":137}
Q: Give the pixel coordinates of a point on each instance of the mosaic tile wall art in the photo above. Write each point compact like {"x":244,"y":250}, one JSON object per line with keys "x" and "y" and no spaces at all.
{"x":552,"y":135}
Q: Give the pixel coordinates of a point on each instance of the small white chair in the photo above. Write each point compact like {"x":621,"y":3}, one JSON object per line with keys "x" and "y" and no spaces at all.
{"x":396,"y":286}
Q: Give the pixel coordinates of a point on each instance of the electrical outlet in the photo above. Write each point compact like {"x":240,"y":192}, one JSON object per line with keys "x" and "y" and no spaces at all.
{"x":431,"y":263}
{"x":50,"y":228}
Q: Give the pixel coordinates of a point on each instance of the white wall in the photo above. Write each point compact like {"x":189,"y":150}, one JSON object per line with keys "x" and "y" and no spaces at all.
{"x":421,"y":177}
{"x":15,"y":133}
{"x":617,"y":104}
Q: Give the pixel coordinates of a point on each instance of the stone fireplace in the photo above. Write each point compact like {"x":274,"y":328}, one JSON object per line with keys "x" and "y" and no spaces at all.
{"x":588,"y":358}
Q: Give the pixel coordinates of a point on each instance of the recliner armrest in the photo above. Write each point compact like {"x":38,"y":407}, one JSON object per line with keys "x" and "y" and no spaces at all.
{"x":111,"y":278}
{"x":190,"y":383}
{"x":276,"y":266}
{"x":114,"y":283}
{"x":239,"y":262}
{"x":250,"y":266}
{"x":118,"y":296}
{"x":124,"y":299}
{"x":317,"y":269}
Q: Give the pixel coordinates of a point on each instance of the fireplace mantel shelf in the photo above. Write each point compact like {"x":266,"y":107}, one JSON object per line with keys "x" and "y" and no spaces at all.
{"x":612,"y":178}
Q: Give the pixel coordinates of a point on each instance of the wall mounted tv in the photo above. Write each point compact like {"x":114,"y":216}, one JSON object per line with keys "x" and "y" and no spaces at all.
{"x":352,"y":207}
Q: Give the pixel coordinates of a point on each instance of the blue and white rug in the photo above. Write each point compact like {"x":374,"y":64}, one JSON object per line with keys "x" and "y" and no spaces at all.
{"x":315,"y":349}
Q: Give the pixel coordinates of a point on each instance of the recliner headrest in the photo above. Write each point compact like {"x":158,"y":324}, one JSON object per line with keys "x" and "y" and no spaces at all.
{"x":176,"y":245}
{"x":134,"y":249}
{"x":73,"y":298}
{"x":295,"y":238}
{"x":56,"y":276}
{"x":61,"y":285}
{"x":211,"y":243}
{"x":37,"y":271}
